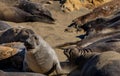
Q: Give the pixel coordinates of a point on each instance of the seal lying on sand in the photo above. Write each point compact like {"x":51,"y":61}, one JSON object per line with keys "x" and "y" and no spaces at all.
{"x":104,"y":10}
{"x":14,"y":14}
{"x":100,"y":44}
{"x":2,"y":73}
{"x":106,"y":26}
{"x":37,"y":10}
{"x":94,"y":64}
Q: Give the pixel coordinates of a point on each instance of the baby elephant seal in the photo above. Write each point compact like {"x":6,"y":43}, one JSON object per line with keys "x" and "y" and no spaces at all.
{"x":2,"y":73}
{"x":43,"y":58}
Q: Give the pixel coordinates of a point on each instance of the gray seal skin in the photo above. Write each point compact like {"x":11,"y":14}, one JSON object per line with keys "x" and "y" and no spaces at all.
{"x":2,"y":73}
{"x":4,"y":26}
{"x":102,"y":25}
{"x":43,"y":58}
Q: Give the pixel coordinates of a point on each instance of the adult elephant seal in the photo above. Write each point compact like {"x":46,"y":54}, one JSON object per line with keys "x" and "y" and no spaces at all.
{"x":36,"y":9}
{"x":4,"y":26}
{"x":2,"y":73}
{"x":43,"y":58}
{"x":16,"y":34}
{"x":14,"y":14}
{"x":94,"y":64}
{"x":9,"y":13}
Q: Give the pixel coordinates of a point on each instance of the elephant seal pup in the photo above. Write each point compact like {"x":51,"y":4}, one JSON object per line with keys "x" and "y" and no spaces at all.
{"x":4,"y":26}
{"x":2,"y":73}
{"x":94,"y":64}
{"x":43,"y":58}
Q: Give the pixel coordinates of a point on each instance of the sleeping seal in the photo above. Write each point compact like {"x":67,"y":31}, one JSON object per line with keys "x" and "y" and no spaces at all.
{"x":37,"y":10}
{"x":15,"y":14}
